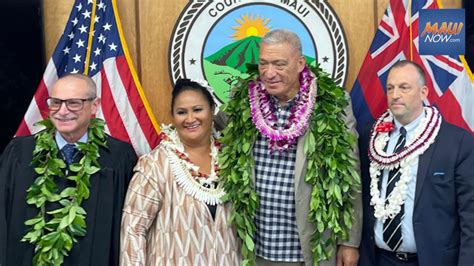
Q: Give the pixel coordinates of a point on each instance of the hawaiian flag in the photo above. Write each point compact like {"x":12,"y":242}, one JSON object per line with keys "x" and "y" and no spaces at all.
{"x":449,"y":78}
{"x":93,"y":44}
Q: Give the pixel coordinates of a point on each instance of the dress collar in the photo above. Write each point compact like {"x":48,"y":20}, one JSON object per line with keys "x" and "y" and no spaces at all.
{"x":410,"y":127}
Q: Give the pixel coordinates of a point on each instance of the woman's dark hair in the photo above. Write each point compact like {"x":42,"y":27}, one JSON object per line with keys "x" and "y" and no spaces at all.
{"x":189,"y":85}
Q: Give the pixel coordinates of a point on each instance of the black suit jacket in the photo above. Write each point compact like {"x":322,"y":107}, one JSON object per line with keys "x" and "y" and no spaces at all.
{"x":443,"y":215}
{"x":108,"y":187}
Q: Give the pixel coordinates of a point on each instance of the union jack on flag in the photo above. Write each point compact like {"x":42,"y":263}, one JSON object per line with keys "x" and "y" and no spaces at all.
{"x":449,"y":79}
{"x":93,"y":44}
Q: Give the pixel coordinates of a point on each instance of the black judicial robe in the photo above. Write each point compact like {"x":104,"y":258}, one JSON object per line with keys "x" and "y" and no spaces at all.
{"x":101,"y":244}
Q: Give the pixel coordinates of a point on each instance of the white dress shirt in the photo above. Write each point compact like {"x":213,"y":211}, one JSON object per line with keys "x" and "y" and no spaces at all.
{"x":61,"y":142}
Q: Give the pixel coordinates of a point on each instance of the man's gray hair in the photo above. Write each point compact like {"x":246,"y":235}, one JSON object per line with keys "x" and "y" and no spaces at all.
{"x":91,"y":86}
{"x":283,"y":36}
{"x":421,"y":72}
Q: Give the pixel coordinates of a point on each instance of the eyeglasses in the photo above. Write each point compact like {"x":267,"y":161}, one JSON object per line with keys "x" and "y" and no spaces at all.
{"x":72,"y":105}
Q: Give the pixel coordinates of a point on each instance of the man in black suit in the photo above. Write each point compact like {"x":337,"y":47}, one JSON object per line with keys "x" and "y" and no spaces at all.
{"x":418,"y":181}
{"x":72,"y":134}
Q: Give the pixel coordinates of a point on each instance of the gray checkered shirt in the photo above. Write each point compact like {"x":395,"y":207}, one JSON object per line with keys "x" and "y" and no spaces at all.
{"x":276,"y":238}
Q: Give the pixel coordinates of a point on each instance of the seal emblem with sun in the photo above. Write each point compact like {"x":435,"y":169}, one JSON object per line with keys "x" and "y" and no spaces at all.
{"x":214,"y":40}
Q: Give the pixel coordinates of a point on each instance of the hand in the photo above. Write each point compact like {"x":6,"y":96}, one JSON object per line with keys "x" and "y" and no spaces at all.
{"x":347,"y":256}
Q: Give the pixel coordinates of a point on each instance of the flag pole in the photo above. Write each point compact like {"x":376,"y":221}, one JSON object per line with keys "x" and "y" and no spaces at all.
{"x":89,"y":41}
{"x":411,"y":30}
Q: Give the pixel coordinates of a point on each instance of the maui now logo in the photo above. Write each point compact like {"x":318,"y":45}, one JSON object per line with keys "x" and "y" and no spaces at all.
{"x":431,"y":33}
{"x":441,"y":32}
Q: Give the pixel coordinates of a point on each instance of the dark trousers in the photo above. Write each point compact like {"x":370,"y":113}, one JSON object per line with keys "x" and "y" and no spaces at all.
{"x":387,"y":258}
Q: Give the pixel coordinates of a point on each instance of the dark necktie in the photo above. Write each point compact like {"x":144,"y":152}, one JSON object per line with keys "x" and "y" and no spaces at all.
{"x":392,"y":230}
{"x":69,"y":150}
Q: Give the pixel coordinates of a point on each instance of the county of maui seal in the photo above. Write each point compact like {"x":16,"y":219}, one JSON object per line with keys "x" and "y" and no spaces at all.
{"x":214,"y":40}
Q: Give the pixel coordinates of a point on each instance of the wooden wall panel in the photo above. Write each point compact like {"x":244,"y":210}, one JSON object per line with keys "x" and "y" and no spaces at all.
{"x":55,"y":15}
{"x":157,"y":19}
{"x":128,"y":16}
{"x":148,"y":25}
{"x":358,"y":23}
{"x":451,"y":3}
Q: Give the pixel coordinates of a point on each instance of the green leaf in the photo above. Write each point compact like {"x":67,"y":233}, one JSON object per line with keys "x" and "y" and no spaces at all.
{"x":68,"y":192}
{"x":64,"y":222}
{"x":72,"y":215}
{"x":67,"y":241}
{"x":40,"y":170}
{"x":246,"y":147}
{"x":249,"y":242}
{"x":39,"y":226}
{"x":348,"y":219}
{"x":80,"y":210}
{"x":31,"y":236}
{"x":334,"y":142}
{"x":337,"y":192}
{"x":92,"y":170}
{"x":46,"y":191}
{"x":320,"y":227}
{"x":54,"y":198}
{"x":56,"y":211}
{"x":321,"y":127}
{"x":238,"y":220}
{"x":79,"y":220}
{"x":32,"y":201}
{"x":50,"y":238}
{"x":75,"y":167}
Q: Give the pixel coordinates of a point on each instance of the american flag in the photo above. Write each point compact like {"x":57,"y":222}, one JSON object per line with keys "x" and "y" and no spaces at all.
{"x":93,"y":44}
{"x":449,"y":79}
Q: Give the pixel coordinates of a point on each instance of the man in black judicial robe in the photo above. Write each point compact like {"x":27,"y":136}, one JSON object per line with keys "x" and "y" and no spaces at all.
{"x":100,"y":245}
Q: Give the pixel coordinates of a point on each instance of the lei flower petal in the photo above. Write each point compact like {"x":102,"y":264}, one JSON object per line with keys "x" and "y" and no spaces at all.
{"x":384,"y":127}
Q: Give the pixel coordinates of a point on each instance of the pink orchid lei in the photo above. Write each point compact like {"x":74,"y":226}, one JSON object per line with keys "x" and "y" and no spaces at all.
{"x":265,"y":121}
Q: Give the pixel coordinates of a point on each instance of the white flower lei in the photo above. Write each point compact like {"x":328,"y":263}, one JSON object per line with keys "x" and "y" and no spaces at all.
{"x":425,"y":135}
{"x":200,"y":188}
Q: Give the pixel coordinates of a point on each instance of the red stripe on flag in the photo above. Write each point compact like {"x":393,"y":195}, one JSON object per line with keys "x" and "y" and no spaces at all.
{"x":111,"y":113}
{"x":23,"y":129}
{"x":398,"y":11}
{"x":40,"y":98}
{"x":451,"y":64}
{"x":136,"y":102}
{"x":386,"y":26}
{"x":372,"y":89}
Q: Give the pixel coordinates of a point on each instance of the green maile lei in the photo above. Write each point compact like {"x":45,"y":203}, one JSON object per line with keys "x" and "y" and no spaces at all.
{"x":330,"y":167}
{"x":53,"y":232}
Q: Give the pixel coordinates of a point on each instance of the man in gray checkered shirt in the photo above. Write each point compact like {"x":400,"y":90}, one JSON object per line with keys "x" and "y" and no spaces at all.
{"x":283,"y":231}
